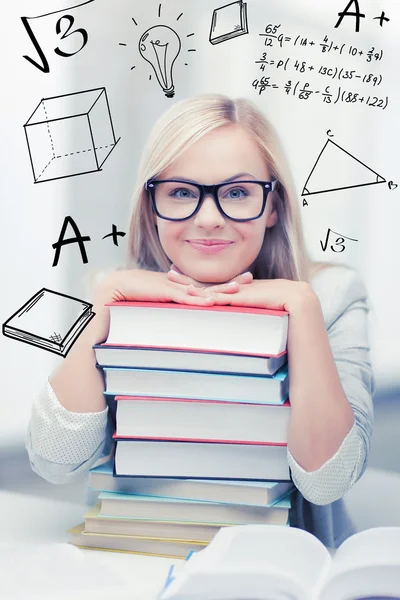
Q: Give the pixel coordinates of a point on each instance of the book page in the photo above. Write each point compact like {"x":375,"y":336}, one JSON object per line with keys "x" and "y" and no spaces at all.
{"x":367,"y":563}
{"x":247,"y":559}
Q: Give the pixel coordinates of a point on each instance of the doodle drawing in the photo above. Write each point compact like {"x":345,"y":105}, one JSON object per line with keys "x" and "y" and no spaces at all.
{"x":64,"y":27}
{"x":336,"y":169}
{"x":339,"y":244}
{"x":160,"y":46}
{"x":228,"y":22}
{"x":49,"y":320}
{"x":70,"y":135}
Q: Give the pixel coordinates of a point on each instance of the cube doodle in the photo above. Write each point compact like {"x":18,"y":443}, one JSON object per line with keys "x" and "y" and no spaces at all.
{"x":70,"y":135}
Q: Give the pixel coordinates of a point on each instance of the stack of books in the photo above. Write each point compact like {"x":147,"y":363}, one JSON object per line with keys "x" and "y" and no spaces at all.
{"x":202,"y":414}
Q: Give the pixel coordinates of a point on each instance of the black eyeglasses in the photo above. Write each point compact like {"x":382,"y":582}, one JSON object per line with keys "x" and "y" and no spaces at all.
{"x":178,"y":200}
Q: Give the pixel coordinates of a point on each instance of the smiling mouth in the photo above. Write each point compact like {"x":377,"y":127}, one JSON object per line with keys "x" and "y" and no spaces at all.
{"x":210,"y":243}
{"x":209,"y":247}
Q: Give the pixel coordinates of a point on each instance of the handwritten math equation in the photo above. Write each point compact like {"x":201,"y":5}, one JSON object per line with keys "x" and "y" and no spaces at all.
{"x":333,"y":72}
{"x":317,"y":70}
{"x":273,"y":37}
{"x":338,"y":244}
{"x":68,"y":39}
{"x":305,"y":92}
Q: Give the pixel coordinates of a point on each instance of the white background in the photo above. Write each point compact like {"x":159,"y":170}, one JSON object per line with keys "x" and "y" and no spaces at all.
{"x":32,"y":214}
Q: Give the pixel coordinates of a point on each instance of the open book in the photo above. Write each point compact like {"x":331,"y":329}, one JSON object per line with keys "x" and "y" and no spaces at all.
{"x":268,"y":562}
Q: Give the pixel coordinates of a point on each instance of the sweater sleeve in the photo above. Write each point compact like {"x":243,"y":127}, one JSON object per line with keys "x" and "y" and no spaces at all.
{"x":62,"y":444}
{"x":348,"y":337}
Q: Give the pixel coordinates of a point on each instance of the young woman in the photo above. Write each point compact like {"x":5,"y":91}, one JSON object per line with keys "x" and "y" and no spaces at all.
{"x":215,"y":200}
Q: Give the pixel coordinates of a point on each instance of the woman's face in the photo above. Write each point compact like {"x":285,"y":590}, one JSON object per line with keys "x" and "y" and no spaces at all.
{"x":218,"y":155}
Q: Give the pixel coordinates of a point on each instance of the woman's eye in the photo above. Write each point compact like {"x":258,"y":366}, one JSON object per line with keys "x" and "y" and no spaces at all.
{"x":182,"y":193}
{"x":236,"y":193}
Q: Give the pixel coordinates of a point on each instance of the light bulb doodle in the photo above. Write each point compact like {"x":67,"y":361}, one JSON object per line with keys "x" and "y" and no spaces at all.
{"x":160,"y":46}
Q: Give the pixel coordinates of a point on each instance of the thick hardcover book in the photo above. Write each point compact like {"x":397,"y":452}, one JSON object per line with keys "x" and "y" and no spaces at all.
{"x":263,"y":493}
{"x":188,"y":420}
{"x":203,"y":386}
{"x":133,"y":544}
{"x":198,"y":460}
{"x":220,"y":328}
{"x":128,"y":506}
{"x":182,"y":530}
{"x":189,"y":359}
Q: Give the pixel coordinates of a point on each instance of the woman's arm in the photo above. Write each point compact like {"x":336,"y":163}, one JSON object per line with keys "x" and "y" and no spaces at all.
{"x":62,"y":444}
{"x":330,"y":375}
{"x":347,"y":458}
{"x":77,"y":382}
{"x":70,"y":426}
{"x":321,"y":415}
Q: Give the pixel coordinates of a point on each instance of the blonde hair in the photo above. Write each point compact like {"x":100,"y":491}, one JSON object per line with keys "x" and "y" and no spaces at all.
{"x":283,"y":253}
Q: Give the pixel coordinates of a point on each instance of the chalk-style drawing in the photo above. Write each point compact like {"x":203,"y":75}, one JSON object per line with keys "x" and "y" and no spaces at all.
{"x":160,"y":46}
{"x":228,"y":21}
{"x":64,"y":27}
{"x":70,"y":135}
{"x":336,"y":169}
{"x":50,"y":320}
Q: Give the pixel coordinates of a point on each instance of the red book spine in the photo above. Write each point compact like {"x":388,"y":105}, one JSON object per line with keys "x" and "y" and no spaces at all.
{"x":225,"y":308}
{"x":286,"y":404}
{"x":194,"y":440}
{"x":187,"y":349}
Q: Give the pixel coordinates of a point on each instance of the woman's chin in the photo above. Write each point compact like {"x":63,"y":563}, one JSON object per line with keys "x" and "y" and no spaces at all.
{"x":207,"y":279}
{"x":206,"y":276}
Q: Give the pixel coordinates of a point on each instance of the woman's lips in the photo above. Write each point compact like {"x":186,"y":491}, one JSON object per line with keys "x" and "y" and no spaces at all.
{"x":209,"y":248}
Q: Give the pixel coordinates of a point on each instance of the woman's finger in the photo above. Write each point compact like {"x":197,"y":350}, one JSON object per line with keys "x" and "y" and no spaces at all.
{"x":173,"y":267}
{"x":183,"y":279}
{"x":184,"y":297}
{"x":197,"y":291}
{"x":179,"y":277}
{"x":245,"y":277}
{"x":221,"y":298}
{"x":233,"y":285}
{"x":227,"y":288}
{"x":175,"y":276}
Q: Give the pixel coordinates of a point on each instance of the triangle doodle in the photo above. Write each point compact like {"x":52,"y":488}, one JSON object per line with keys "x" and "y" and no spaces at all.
{"x":336,"y":169}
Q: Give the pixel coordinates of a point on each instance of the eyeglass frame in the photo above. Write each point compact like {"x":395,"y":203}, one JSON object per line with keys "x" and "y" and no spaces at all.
{"x":204,"y":189}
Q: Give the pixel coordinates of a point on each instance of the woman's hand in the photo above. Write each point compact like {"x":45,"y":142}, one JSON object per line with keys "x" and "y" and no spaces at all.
{"x":277,"y":294}
{"x":141,"y":286}
{"x":197,"y":288}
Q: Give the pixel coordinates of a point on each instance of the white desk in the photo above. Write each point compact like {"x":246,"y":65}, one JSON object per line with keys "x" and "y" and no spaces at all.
{"x":29,"y":519}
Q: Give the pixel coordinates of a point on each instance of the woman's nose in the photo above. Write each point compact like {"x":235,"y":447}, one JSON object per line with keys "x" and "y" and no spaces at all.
{"x":208,"y":212}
